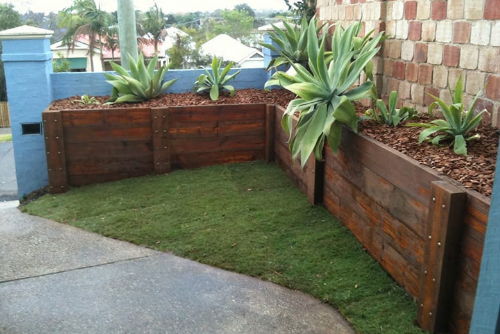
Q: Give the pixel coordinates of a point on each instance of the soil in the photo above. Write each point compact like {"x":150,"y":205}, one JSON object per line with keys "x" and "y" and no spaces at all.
{"x":475,"y":171}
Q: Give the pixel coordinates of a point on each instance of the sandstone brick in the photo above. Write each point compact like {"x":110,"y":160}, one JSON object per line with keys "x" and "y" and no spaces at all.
{"x":430,"y":91}
{"x":475,"y":82}
{"x":341,"y":12}
{"x":425,"y":74}
{"x":388,"y":67}
{"x":411,"y":72}
{"x":461,"y":32}
{"x":376,"y":11}
{"x":445,"y":95}
{"x":404,"y":90}
{"x":473,"y":9}
{"x":492,"y":90}
{"x":435,"y":53}
{"x":390,"y":28}
{"x":451,"y":55}
{"x":349,"y":12}
{"x":482,"y":104}
{"x":428,"y":31}
{"x":392,"y":48}
{"x":495,"y":34}
{"x":491,"y":10}
{"x":444,"y":31}
{"x":469,"y":56}
{"x":456,"y":9}
{"x":481,"y":32}
{"x":358,"y":12}
{"x":402,"y":29}
{"x":440,"y":76}
{"x":420,"y":55}
{"x":399,"y":70}
{"x":407,"y":50}
{"x":392,"y":85}
{"x":417,"y":93}
{"x":334,"y":12}
{"x":489,"y":59}
{"x":453,"y":75}
{"x":410,"y":10}
{"x":415,"y":30}
{"x":397,"y":10}
{"x":423,"y":9}
{"x":439,"y":10}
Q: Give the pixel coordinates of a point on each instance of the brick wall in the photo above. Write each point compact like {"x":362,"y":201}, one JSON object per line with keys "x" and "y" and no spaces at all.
{"x":431,"y":43}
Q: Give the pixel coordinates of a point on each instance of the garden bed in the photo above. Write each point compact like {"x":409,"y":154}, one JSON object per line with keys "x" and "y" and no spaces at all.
{"x":387,"y":199}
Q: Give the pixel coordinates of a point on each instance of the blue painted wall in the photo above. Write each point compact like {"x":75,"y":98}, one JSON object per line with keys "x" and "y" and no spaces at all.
{"x":28,"y":65}
{"x":486,"y":318}
{"x":94,"y":84}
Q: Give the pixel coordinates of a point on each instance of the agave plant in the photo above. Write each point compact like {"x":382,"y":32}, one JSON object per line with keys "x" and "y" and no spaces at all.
{"x":292,"y":43}
{"x":325,"y":94}
{"x":216,"y":81}
{"x":389,"y":115}
{"x":141,"y":84}
{"x":85,"y":99}
{"x":456,"y":124}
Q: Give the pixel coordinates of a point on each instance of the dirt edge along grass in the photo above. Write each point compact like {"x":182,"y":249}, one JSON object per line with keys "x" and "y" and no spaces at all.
{"x":248,"y":218}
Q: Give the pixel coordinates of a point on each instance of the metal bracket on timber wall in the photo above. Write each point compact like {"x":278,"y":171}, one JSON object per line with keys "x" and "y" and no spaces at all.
{"x":437,"y":278}
{"x":161,"y":142}
{"x":315,"y":177}
{"x":270,"y":131}
{"x":54,"y":148}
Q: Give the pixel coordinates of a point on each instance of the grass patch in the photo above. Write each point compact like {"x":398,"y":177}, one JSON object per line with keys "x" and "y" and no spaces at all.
{"x":247,"y":218}
{"x":4,"y":138}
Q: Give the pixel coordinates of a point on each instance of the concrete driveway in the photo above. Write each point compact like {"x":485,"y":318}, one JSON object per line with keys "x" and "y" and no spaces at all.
{"x":8,"y":182}
{"x":56,"y":278}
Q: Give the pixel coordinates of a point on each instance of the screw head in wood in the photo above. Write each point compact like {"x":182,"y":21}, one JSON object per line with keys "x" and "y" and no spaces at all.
{"x":158,"y":163}
{"x":444,"y":206}
{"x":45,"y":121}
{"x":46,"y":137}
{"x":164,"y":130}
{"x":60,"y":169}
{"x":421,"y":305}
{"x":55,"y":120}
{"x":48,"y":152}
{"x":156,"y":117}
{"x":425,"y":272}
{"x":156,"y":131}
{"x":163,"y":116}
{"x":58,"y":152}
{"x":439,"y":244}
{"x":165,"y":147}
{"x":57,"y":137}
{"x":430,"y":237}
{"x":434,"y":280}
{"x":62,"y":187}
{"x":434,"y":199}
{"x":430,"y":313}
{"x":50,"y":170}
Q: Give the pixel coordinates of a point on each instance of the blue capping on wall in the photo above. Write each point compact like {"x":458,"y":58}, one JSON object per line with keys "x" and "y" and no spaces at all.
{"x":94,"y":84}
{"x":486,"y":317}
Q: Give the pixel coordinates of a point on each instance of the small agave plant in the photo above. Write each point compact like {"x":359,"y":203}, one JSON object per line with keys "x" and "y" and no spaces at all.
{"x":141,"y":84}
{"x":216,"y":81}
{"x":326,"y":93}
{"x":457,"y":123}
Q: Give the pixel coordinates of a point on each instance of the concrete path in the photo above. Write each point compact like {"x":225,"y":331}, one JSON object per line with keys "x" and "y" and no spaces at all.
{"x":8,"y":182}
{"x":59,"y":279}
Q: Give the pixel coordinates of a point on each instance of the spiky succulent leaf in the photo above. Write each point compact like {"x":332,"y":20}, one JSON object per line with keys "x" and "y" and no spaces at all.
{"x":215,"y":80}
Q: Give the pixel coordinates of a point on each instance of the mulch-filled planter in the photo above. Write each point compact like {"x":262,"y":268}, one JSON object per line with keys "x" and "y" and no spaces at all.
{"x":423,"y":226}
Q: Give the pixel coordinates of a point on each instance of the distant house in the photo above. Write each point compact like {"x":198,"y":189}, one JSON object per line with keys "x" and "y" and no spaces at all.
{"x":79,"y":55}
{"x":229,"y":49}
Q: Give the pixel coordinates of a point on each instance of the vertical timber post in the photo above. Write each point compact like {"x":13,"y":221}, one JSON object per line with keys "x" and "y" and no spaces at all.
{"x":56,"y":155}
{"x":270,"y":131}
{"x":315,"y":178}
{"x":161,"y":140}
{"x":442,"y":242}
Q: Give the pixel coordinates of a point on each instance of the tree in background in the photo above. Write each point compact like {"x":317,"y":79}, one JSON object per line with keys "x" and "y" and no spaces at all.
{"x":84,"y":17}
{"x":301,"y":8}
{"x":153,"y":22}
{"x":61,"y":64}
{"x":245,"y":8}
{"x":236,"y":24}
{"x":9,"y":18}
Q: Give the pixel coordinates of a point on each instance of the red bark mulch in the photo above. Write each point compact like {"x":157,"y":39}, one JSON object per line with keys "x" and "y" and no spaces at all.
{"x":476,"y":171}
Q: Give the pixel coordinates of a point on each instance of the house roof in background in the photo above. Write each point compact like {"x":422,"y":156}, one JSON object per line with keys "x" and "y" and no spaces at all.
{"x":228,"y":48}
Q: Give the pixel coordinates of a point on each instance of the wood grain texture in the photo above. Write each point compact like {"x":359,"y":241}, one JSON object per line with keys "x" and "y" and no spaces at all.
{"x":270,"y":132}
{"x":438,"y":276}
{"x":55,"y":151}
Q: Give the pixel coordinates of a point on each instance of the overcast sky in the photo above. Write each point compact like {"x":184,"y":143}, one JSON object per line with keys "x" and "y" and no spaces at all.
{"x":168,"y":6}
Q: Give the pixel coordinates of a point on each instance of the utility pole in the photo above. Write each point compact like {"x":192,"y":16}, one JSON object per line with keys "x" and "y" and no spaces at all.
{"x":128,"y":33}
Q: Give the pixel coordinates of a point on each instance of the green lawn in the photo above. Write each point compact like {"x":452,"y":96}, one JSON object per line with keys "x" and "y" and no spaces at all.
{"x":4,"y":138}
{"x":247,"y":218}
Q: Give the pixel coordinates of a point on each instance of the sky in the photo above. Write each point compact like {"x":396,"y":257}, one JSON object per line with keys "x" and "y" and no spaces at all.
{"x":168,"y":6}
